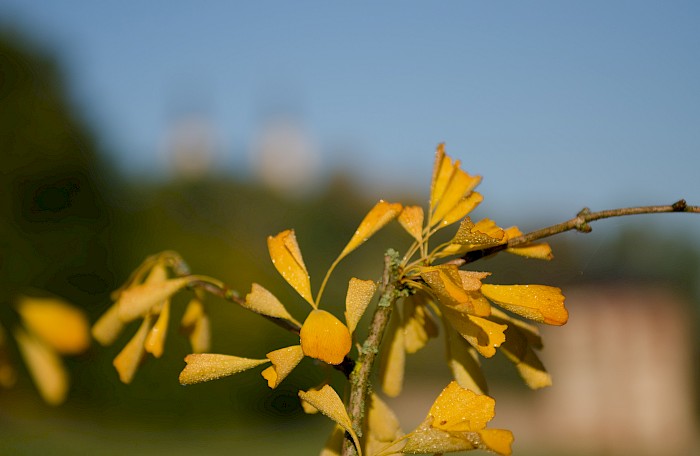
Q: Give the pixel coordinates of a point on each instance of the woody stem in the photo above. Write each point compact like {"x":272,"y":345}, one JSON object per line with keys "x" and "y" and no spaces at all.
{"x":360,"y":377}
{"x":580,"y":223}
{"x":585,"y":216}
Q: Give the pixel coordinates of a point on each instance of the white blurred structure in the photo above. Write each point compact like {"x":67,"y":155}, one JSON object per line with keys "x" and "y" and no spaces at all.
{"x":284,"y":158}
{"x":622,"y":369}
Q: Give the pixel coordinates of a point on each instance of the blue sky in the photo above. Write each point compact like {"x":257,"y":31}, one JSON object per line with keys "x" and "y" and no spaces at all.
{"x":557,"y":104}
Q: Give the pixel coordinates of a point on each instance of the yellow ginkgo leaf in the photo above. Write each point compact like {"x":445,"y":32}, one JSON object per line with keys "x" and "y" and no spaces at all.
{"x":459,"y":186}
{"x":497,"y":440}
{"x":325,"y":337}
{"x":195,"y":323}
{"x":540,"y":250}
{"x":45,"y":367}
{"x":360,"y":293}
{"x":334,"y":444}
{"x":137,"y":300}
{"x":446,"y":282}
{"x":308,"y":408}
{"x":442,"y":171}
{"x":108,"y":326}
{"x":426,"y":439}
{"x":203,"y":367}
{"x":382,"y":421}
{"x":284,"y":361}
{"x":521,"y":340}
{"x":463,"y":361}
{"x":261,"y":301}
{"x":156,"y":337}
{"x":482,"y":234}
{"x":286,"y":256}
{"x":481,"y":333}
{"x":418,"y":325}
{"x":381,"y":214}
{"x":327,"y":401}
{"x":459,"y":409}
{"x":411,"y":219}
{"x":60,"y":325}
{"x":381,"y":426}
{"x":393,"y":357}
{"x":540,"y":303}
{"x":462,"y":208}
{"x":128,"y":360}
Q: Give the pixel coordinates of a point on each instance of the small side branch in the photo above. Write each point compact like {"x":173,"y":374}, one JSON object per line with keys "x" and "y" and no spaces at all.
{"x":226,"y":293}
{"x":585,"y":216}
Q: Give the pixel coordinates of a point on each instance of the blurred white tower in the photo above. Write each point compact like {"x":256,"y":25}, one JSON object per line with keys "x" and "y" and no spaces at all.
{"x":284,"y":158}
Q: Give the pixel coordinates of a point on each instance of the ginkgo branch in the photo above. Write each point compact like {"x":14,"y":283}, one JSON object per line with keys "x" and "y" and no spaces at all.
{"x":580,"y":223}
{"x":222,"y":291}
{"x":360,"y":377}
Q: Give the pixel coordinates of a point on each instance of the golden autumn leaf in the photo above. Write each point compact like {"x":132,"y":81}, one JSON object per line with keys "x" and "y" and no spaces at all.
{"x":360,"y":293}
{"x":128,"y":360}
{"x":463,"y":361}
{"x":540,"y":303}
{"x":381,"y":214}
{"x":156,"y":337}
{"x":460,"y":409}
{"x":521,"y":341}
{"x":497,"y":440}
{"x":203,"y":367}
{"x":261,"y":301}
{"x":459,"y":186}
{"x":195,"y":323}
{"x":108,"y":326}
{"x":418,"y":325}
{"x":137,"y":300}
{"x":462,"y":208}
{"x":457,"y":422}
{"x":325,"y":337}
{"x":381,"y":426}
{"x":283,"y":361}
{"x":327,"y":401}
{"x":411,"y":219}
{"x":538,"y":250}
{"x":286,"y":256}
{"x":393,"y":357}
{"x":483,"y":334}
{"x":334,"y":444}
{"x":59,"y":324}
{"x":446,"y":282}
{"x":45,"y":367}
{"x":449,"y":186}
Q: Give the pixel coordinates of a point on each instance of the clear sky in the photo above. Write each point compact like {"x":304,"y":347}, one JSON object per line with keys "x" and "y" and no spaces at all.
{"x":557,"y":104}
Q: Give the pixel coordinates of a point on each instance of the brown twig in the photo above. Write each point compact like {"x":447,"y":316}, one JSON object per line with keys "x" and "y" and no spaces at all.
{"x":359,"y":379}
{"x":222,"y":291}
{"x":585,"y":216}
{"x":579,"y":223}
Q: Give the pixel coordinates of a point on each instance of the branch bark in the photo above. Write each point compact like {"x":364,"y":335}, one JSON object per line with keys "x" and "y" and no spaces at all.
{"x":360,"y":377}
{"x":585,"y":216}
{"x":579,"y":223}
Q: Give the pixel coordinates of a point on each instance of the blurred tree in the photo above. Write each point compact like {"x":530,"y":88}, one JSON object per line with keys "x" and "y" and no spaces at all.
{"x":52,"y":215}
